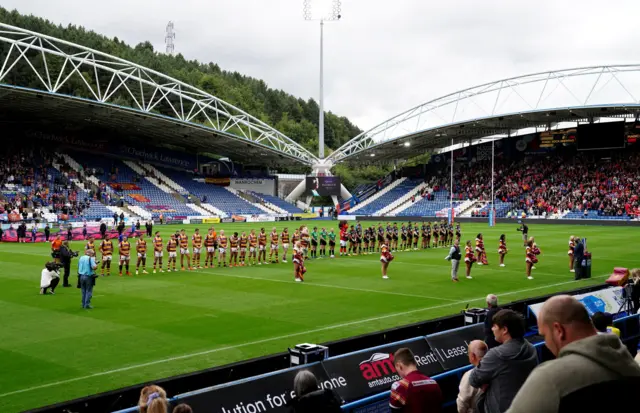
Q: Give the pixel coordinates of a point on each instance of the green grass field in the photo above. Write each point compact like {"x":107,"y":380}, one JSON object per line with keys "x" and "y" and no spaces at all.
{"x":158,"y":325}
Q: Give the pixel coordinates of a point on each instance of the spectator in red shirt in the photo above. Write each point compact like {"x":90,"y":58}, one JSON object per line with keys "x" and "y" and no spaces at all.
{"x":415,"y":393}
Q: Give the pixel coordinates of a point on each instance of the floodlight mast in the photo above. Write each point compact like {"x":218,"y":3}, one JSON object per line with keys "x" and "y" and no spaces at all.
{"x":334,"y":15}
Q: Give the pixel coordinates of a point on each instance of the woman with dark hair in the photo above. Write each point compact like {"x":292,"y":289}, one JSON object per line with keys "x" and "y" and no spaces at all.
{"x":502,"y":249}
{"x":310,"y":398}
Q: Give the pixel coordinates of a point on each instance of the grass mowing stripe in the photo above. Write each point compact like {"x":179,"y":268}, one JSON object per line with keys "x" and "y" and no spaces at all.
{"x":266,"y":340}
{"x":326,"y":286}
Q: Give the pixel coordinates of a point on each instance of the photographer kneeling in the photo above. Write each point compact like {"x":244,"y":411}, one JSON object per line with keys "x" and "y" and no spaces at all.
{"x":49,"y":278}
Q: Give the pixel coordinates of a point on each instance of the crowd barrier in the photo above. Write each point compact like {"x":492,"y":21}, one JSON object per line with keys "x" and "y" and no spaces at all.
{"x":362,"y":378}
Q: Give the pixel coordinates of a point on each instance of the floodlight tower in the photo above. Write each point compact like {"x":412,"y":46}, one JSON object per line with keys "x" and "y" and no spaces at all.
{"x":168,"y":38}
{"x":314,"y":11}
{"x":322,"y":11}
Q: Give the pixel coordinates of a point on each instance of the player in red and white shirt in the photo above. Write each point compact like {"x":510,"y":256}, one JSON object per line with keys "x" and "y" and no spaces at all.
{"x":298,"y":263}
{"x":416,"y":392}
{"x":385,"y":259}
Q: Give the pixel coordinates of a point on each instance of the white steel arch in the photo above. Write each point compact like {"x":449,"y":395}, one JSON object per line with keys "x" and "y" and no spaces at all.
{"x":58,"y":66}
{"x":562,"y":89}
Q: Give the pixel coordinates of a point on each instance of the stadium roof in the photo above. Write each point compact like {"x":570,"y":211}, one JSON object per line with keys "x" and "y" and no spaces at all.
{"x":32,"y":106}
{"x":130,"y":98}
{"x":500,"y":108}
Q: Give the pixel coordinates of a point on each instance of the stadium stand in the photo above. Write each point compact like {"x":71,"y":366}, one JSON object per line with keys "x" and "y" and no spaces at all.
{"x":285,"y":206}
{"x":554,"y":187}
{"x":220,"y":197}
{"x":129,"y":182}
{"x":384,"y":198}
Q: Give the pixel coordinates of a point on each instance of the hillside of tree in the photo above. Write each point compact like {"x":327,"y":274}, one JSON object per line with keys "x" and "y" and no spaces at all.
{"x":293,"y":116}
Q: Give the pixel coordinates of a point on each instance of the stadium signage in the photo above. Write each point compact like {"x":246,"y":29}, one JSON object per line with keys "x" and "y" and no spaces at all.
{"x":66,"y":140}
{"x":260,"y":218}
{"x":268,"y":393}
{"x":218,"y":181}
{"x":210,"y":220}
{"x":450,"y":347}
{"x":372,"y":371}
{"x":157,"y":156}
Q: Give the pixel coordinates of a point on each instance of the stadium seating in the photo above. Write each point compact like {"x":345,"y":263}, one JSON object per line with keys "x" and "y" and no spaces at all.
{"x":428,"y":208}
{"x":216,"y":195}
{"x":135,"y":189}
{"x":281,"y":203}
{"x":388,"y":197}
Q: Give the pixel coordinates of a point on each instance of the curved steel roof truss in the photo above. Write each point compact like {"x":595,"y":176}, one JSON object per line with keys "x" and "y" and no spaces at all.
{"x":562,"y":89}
{"x":61,"y":67}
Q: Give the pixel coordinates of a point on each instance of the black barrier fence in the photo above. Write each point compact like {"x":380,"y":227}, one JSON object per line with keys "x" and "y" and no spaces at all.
{"x":352,"y":376}
{"x":485,"y":220}
{"x":124,"y":397}
{"x":362,"y":379}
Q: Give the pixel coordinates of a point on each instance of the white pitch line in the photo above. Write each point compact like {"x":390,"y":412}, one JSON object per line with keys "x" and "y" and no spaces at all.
{"x":327,"y":286}
{"x":267,"y":340}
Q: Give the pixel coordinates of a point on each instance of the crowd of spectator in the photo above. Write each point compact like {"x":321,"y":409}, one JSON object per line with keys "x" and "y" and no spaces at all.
{"x":31,"y":186}
{"x":545,"y":185}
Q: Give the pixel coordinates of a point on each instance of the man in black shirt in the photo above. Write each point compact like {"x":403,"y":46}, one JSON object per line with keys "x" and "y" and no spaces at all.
{"x":525,"y":232}
{"x":578,"y":256}
{"x":65,"y":260}
{"x":47,"y":232}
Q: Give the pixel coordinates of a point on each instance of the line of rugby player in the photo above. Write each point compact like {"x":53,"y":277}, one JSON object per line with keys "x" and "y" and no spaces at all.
{"x":355,"y":240}
{"x":218,"y":247}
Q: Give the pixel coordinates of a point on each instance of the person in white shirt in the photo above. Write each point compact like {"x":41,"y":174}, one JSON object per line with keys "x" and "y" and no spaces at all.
{"x":467,"y":395}
{"x":49,"y":278}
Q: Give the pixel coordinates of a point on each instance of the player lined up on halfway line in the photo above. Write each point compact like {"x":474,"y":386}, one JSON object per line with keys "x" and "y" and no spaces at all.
{"x":238,"y":245}
{"x":355,"y":240}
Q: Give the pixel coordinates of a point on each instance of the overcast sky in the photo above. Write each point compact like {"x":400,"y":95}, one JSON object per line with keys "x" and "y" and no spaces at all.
{"x":382,"y":57}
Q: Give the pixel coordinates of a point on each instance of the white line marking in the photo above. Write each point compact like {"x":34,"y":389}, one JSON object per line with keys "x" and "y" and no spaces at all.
{"x":267,"y":340}
{"x":326,"y":286}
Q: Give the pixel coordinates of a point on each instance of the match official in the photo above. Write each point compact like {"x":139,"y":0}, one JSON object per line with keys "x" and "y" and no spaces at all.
{"x":524,"y":228}
{"x":455,"y":256}
{"x":86,"y":272}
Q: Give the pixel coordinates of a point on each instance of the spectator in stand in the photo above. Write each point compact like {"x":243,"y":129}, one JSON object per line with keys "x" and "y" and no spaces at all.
{"x":588,"y":369}
{"x":153,"y":399}
{"x":309,"y":398}
{"x":492,"y":309}
{"x":416,"y":392}
{"x":504,"y":368}
{"x":467,"y":395}
{"x":182,"y":408}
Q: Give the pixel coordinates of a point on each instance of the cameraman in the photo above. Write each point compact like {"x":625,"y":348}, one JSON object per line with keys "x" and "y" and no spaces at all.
{"x":65,"y":259}
{"x":49,"y":278}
